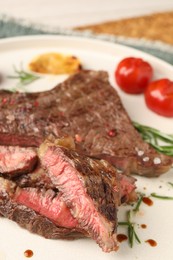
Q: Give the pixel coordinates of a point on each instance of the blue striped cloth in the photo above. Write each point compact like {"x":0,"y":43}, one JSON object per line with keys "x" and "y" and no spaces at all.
{"x":11,"y":27}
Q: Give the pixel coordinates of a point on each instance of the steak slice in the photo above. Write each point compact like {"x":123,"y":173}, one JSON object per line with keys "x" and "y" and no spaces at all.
{"x":90,"y":189}
{"x":35,"y":179}
{"x":39,"y":179}
{"x":89,"y":109}
{"x":12,"y":208}
{"x":16,"y":160}
{"x":47,"y":203}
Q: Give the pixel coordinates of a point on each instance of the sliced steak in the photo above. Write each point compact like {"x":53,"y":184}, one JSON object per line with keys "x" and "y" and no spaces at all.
{"x":78,"y":197}
{"x":89,"y":109}
{"x":47,"y":203}
{"x":16,"y":160}
{"x":35,"y":179}
{"x":39,"y":179}
{"x":127,"y":187}
{"x":12,"y":208}
{"x":90,"y":188}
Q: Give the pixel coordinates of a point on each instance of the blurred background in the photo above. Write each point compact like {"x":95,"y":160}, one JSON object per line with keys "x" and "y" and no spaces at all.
{"x":72,"y":13}
{"x":149,"y":20}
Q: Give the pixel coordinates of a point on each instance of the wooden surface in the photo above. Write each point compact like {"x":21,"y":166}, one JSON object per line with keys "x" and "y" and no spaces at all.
{"x":157,"y":26}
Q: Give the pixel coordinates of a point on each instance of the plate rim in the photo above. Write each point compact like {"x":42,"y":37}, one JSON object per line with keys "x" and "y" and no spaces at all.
{"x":103,"y":42}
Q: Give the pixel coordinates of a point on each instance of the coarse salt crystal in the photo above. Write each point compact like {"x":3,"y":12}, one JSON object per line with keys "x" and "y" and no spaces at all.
{"x":140,"y":153}
{"x":10,"y":118}
{"x":36,"y":130}
{"x":146,"y":159}
{"x":157,"y":160}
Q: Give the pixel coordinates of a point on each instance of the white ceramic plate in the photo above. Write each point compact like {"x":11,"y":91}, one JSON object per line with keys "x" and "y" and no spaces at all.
{"x":95,"y":55}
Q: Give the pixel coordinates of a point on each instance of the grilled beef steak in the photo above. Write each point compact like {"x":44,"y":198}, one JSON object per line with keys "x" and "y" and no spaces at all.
{"x":86,"y":107}
{"x":39,"y":179}
{"x":62,"y":193}
{"x":90,"y":189}
{"x":83,"y":203}
{"x":47,"y":203}
{"x":27,"y":218}
{"x":16,"y":160}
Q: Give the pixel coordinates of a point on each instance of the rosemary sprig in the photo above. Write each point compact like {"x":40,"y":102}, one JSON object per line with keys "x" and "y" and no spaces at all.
{"x":138,"y":204}
{"x":161,"y":197}
{"x":132,"y":235}
{"x":154,"y":136}
{"x":23,"y":76}
{"x":171,"y":183}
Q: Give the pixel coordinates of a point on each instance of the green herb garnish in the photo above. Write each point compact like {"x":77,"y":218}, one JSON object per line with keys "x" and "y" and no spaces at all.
{"x":170,"y":183}
{"x":24,"y":77}
{"x":132,"y":235}
{"x":138,"y":204}
{"x":154,"y":136}
{"x":161,"y":197}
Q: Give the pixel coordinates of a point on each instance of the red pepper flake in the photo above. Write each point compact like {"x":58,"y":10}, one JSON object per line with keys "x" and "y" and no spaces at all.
{"x":12,"y":101}
{"x":4,"y":100}
{"x":112,"y":133}
{"x":36,"y":104}
{"x":78,"y":138}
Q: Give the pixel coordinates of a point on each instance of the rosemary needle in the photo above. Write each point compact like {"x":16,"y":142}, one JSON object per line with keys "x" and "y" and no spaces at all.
{"x":132,"y":235}
{"x":138,"y":204}
{"x":154,"y":136}
{"x":170,"y":183}
{"x":23,"y":76}
{"x":161,"y":197}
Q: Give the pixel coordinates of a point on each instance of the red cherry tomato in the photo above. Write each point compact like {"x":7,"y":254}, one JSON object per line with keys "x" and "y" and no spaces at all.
{"x":159,"y":97}
{"x":133,"y":75}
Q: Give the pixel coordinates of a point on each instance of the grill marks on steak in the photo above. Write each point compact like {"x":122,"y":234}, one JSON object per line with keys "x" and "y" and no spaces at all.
{"x":16,"y":160}
{"x":87,"y":190}
{"x":86,"y":107}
